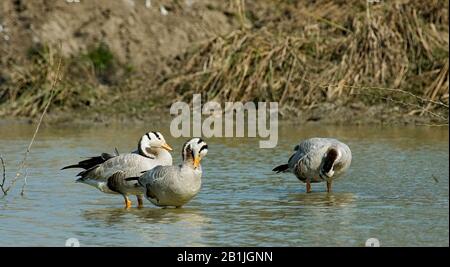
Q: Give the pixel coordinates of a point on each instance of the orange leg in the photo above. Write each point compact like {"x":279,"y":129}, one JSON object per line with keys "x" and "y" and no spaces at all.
{"x":127,"y":202}
{"x":308,"y":186}
{"x":329,"y":186}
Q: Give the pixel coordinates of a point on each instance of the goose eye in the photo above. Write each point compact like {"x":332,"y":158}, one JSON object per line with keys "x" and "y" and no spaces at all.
{"x":203,"y":148}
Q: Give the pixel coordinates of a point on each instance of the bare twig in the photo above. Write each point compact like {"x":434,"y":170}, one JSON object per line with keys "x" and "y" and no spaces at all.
{"x":22,"y":192}
{"x":4,"y":176}
{"x":403,"y":92}
{"x":23,"y":162}
{"x":435,"y":178}
{"x":382,"y":89}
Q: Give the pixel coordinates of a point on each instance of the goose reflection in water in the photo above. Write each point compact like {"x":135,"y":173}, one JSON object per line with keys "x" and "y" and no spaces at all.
{"x":322,"y":199}
{"x":119,"y":215}
{"x":154,"y":226}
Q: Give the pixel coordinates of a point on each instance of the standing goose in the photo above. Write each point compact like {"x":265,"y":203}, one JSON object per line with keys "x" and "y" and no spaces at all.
{"x":105,"y":172}
{"x":176,"y":185}
{"x":317,"y":160}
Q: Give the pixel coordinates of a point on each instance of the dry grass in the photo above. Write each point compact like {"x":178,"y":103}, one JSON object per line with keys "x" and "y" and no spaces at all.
{"x":19,"y":173}
{"x":327,"y":52}
{"x":85,"y":80}
{"x":299,"y":53}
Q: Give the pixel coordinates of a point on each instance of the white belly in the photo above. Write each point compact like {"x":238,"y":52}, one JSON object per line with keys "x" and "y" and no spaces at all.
{"x":100,"y":185}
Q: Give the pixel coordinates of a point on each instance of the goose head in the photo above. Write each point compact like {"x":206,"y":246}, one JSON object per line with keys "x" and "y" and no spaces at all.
{"x":194,"y":151}
{"x":330,"y":158}
{"x":151,"y":144}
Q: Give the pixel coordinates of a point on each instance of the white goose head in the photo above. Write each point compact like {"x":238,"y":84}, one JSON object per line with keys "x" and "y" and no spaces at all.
{"x":151,"y":144}
{"x":193,"y":151}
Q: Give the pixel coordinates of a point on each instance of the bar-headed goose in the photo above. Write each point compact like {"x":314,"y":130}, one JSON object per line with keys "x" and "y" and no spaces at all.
{"x":105,"y":172}
{"x":318,"y":160}
{"x":176,"y":185}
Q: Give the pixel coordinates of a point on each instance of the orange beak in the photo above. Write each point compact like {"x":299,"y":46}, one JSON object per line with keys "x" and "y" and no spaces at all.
{"x":166,"y":147}
{"x":197,"y":162}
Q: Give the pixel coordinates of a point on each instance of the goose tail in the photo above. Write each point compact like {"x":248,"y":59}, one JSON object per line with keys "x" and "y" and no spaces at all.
{"x":281,"y":168}
{"x":92,"y":161}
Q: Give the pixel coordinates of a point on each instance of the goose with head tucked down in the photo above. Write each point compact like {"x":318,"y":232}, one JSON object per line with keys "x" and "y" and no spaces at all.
{"x":318,"y":160}
{"x":176,"y":185}
{"x":105,"y":172}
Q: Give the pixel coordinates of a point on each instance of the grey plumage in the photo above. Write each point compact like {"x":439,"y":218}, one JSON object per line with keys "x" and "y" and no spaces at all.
{"x":130,"y":165}
{"x":176,"y":185}
{"x":318,"y":160}
{"x":108,"y":172}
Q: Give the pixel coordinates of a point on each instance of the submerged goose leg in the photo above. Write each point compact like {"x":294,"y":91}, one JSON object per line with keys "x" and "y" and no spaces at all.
{"x":127,"y":202}
{"x":308,"y":186}
{"x":140,"y":201}
{"x":329,"y":186}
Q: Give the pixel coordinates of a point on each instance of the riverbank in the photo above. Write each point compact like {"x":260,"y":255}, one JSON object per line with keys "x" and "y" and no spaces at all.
{"x":323,"y":62}
{"x":324,"y":115}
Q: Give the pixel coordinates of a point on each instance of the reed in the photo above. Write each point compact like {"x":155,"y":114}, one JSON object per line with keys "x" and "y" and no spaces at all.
{"x":301,"y":54}
{"x":82,"y":82}
{"x":329,"y":51}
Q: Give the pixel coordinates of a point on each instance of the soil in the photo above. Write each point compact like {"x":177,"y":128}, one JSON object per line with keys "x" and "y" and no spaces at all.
{"x":145,"y":35}
{"x":141,"y":36}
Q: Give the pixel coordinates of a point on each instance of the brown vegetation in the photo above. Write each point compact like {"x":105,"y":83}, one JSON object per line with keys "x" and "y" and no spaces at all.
{"x":318,"y":59}
{"x":388,"y":53}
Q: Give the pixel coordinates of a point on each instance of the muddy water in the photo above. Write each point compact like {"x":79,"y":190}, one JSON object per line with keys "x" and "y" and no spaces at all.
{"x":396,"y":191}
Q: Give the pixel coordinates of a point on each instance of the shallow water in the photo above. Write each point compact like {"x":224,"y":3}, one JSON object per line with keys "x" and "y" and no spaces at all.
{"x":396,"y":191}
